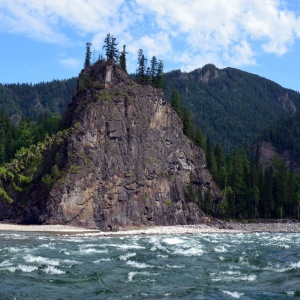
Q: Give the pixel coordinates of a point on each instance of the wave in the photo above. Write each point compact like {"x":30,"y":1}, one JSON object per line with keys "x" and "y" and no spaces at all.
{"x":41,"y":260}
{"x":189,"y":252}
{"x":101,"y":260}
{"x":131,"y":275}
{"x":173,"y":241}
{"x":220,"y":249}
{"x":53,"y":270}
{"x":23,"y":268}
{"x":138,"y":265}
{"x":92,"y":251}
{"x":235,"y":295}
{"x":126,"y":256}
{"x":232,"y":276}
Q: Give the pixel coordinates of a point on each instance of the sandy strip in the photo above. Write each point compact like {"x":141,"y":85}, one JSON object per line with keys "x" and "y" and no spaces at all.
{"x":159,"y":230}
{"x":45,"y":228}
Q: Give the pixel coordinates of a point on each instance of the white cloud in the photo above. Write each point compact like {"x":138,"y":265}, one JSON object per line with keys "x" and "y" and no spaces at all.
{"x":70,"y":63}
{"x":188,"y":32}
{"x":229,"y":29}
{"x":46,"y":20}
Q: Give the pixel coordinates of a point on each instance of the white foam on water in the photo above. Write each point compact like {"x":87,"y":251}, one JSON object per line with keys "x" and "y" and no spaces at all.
{"x":232,"y":276}
{"x":101,"y":260}
{"x":64,"y":251}
{"x":14,"y":249}
{"x":71,"y":262}
{"x":235,"y":295}
{"x":130,"y":247}
{"x":23,"y":268}
{"x":16,"y":236}
{"x":220,"y":249}
{"x":292,"y":266}
{"x":48,"y":246}
{"x":174,"y":267}
{"x":221,"y":258}
{"x":42,"y":260}
{"x":161,"y":256}
{"x":290,"y":293}
{"x":92,"y":250}
{"x":173,"y":241}
{"x":53,"y":270}
{"x":5,"y":263}
{"x":157,"y":245}
{"x":189,"y":252}
{"x":131,"y":275}
{"x":138,"y":265}
{"x":128,"y":255}
{"x":123,"y":246}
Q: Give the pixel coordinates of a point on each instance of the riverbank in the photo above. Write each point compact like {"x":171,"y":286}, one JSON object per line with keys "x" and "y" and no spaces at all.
{"x":223,"y":227}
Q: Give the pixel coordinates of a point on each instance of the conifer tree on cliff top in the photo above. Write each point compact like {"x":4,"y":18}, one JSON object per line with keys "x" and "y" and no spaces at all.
{"x":110,"y":46}
{"x":88,"y":54}
{"x":123,"y":59}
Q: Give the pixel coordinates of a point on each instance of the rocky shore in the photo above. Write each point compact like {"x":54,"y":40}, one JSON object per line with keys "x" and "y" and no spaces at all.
{"x":220,"y":227}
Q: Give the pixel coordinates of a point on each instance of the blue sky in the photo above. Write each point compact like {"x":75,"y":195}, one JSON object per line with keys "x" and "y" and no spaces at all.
{"x":42,"y":40}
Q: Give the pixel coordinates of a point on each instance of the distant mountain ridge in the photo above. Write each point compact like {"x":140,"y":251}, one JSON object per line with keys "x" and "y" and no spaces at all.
{"x":33,"y":100}
{"x":230,"y":105}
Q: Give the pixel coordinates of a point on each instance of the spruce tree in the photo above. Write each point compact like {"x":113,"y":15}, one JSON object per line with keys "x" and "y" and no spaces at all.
{"x":123,"y":59}
{"x":88,"y":54}
{"x":153,"y":69}
{"x":159,"y":75}
{"x":110,"y":47}
{"x":142,"y":67}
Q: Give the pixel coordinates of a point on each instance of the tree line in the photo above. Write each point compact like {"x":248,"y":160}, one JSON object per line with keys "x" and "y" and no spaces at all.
{"x":145,"y":74}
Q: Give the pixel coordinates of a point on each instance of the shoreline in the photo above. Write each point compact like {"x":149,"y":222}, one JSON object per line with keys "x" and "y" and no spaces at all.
{"x":224,"y":227}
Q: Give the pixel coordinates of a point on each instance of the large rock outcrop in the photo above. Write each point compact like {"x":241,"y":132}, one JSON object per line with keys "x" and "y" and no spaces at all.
{"x":127,"y":163}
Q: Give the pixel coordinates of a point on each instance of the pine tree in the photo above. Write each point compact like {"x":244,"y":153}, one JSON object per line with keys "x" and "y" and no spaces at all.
{"x":141,"y":68}
{"x":123,"y":59}
{"x":110,"y":47}
{"x":2,"y":147}
{"x":88,"y":54}
{"x":153,"y":69}
{"x":159,"y":75}
{"x":176,"y":102}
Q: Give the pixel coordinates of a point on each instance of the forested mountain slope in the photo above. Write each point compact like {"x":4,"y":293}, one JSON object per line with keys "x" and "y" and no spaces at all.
{"x":231,"y":106}
{"x":283,"y":139}
{"x":34,"y":100}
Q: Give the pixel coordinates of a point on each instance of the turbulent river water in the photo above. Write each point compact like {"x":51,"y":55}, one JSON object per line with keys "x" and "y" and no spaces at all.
{"x":202,"y":266}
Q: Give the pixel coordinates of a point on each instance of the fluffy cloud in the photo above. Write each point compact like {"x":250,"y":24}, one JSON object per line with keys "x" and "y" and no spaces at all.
{"x":188,"y":32}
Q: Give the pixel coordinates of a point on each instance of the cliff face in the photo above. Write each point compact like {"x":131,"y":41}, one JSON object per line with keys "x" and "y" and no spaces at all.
{"x":128,"y":162}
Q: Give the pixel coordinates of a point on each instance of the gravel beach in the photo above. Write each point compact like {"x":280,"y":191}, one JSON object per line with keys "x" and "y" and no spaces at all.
{"x":223,"y":227}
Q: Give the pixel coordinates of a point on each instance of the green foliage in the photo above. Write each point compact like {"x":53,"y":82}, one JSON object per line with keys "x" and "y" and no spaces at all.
{"x":21,"y":170}
{"x":5,"y":196}
{"x":285,"y":135}
{"x":84,"y":82}
{"x":50,"y":179}
{"x":230,"y":106}
{"x":88,"y":54}
{"x":33,"y":100}
{"x":149,"y":75}
{"x":110,"y":46}
{"x":123,"y":63}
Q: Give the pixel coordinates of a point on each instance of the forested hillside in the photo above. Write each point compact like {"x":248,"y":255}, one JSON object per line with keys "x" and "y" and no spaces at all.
{"x":231,"y":106}
{"x":33,"y":100}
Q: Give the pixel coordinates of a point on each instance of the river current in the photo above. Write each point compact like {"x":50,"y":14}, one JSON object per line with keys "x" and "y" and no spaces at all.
{"x":202,"y":266}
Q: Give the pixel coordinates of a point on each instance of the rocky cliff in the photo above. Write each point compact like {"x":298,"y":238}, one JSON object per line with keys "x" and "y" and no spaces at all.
{"x":128,"y":162}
